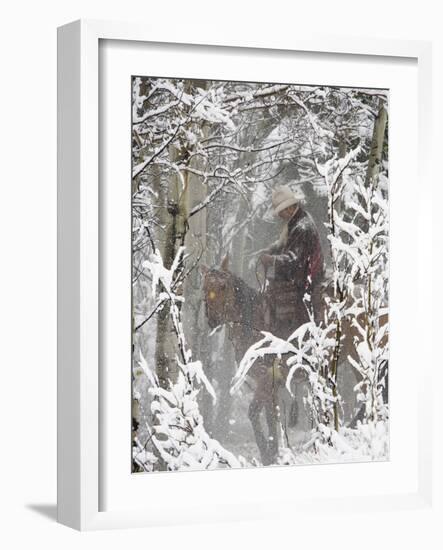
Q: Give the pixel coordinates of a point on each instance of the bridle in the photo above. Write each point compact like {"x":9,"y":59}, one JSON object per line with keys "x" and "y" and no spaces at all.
{"x":218,"y":274}
{"x":238,"y":287}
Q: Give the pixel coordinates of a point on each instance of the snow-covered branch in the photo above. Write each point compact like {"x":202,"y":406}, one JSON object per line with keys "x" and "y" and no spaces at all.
{"x":178,"y":435}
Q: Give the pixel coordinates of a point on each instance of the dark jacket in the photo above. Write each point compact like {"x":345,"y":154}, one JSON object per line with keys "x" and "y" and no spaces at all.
{"x":296,"y":270}
{"x":300,"y":257}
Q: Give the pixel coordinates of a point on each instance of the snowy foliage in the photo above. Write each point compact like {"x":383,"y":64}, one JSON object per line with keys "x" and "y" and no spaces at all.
{"x":178,"y":435}
{"x":366,"y":442}
{"x":206,"y":157}
{"x":307,"y":350}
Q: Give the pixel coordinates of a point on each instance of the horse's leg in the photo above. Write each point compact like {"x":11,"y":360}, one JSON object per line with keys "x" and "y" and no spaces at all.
{"x":254,"y":411}
{"x":257,"y":402}
{"x":265,"y":397}
{"x":270,"y":392}
{"x":271,"y":413}
{"x":293,"y":413}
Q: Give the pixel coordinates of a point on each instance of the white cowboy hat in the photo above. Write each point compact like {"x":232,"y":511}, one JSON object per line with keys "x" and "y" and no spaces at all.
{"x":283,"y":196}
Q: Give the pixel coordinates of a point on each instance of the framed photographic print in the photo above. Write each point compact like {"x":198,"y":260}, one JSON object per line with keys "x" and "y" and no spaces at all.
{"x":235,"y":225}
{"x":255,"y":342}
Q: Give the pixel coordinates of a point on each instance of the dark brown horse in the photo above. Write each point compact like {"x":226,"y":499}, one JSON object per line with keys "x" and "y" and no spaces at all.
{"x":229,"y":300}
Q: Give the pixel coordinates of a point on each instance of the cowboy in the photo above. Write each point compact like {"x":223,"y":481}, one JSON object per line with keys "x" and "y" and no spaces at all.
{"x":293,"y":265}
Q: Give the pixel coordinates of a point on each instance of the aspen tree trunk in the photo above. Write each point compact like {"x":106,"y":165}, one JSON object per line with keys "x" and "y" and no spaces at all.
{"x":196,"y":245}
{"x":195,"y":325}
{"x":184,"y":191}
{"x":377,"y":145}
{"x":371,"y":181}
{"x":170,"y":235}
{"x":166,"y":348}
{"x":338,"y":322}
{"x":174,"y":218}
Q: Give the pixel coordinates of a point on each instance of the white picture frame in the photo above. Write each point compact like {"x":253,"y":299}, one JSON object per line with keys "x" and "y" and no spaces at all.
{"x":79,"y":368}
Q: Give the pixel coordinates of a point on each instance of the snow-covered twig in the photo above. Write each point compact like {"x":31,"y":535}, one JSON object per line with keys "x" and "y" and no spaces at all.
{"x":178,"y":434}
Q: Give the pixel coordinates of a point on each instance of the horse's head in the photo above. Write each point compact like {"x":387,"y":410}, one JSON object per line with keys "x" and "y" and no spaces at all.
{"x":219,"y":293}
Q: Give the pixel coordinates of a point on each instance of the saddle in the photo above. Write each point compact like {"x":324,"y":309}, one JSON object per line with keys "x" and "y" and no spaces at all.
{"x":284,"y":303}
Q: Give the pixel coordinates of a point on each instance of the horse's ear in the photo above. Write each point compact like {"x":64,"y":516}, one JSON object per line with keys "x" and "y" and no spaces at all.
{"x":204,"y":269}
{"x":225,"y":263}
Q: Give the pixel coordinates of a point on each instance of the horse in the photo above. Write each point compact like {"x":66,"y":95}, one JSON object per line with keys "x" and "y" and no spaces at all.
{"x":229,"y":300}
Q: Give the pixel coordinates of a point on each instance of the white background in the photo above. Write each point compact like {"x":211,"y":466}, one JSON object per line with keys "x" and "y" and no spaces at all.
{"x":28,"y":274}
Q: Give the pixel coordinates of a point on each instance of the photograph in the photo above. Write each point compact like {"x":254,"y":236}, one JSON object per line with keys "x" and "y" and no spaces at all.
{"x":222,"y":224}
{"x":260,"y":274}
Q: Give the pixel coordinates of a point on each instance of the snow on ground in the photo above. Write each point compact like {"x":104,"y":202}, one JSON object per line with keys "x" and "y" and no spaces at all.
{"x":365,"y":443}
